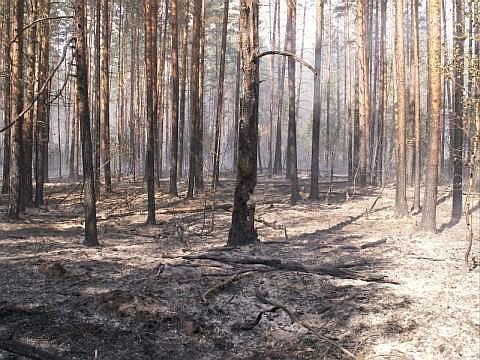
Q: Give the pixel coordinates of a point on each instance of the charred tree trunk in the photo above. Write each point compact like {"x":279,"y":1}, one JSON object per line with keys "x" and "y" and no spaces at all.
{"x":458,"y":111}
{"x":150,"y":150}
{"x":84,"y":117}
{"x":174,"y":98}
{"x":42,"y":119}
{"x":242,"y":230}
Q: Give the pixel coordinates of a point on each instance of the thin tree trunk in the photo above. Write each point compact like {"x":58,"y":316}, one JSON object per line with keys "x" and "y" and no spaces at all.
{"x":8,"y":101}
{"x":16,"y":55}
{"x":87,"y":148}
{"x":183,"y":86}
{"x":174,"y":98}
{"x":416,"y":80}
{"x":105,"y":95}
{"x":401,"y":208}
{"x":194,"y":97}
{"x":458,"y":111}
{"x":221,"y":76}
{"x":97,"y":90}
{"x":292,"y":125}
{"x":149,"y":71}
{"x":237,"y":106}
{"x":364,"y":108}
{"x":42,"y":119}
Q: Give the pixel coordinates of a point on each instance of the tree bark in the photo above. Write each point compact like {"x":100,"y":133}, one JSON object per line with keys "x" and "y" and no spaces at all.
{"x":105,"y":95}
{"x":174,"y":98}
{"x":416,"y":80}
{"x":8,"y":101}
{"x":90,"y":238}
{"x":221,"y":76}
{"x":242,"y":230}
{"x":42,"y":118}
{"x":16,"y":55}
{"x":434,"y":66}
{"x":401,"y":208}
{"x":364,"y":108}
{"x":150,"y":150}
{"x":458,"y":111}
{"x":292,"y":123}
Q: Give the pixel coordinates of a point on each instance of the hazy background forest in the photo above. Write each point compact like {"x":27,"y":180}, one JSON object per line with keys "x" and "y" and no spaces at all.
{"x":284,"y":179}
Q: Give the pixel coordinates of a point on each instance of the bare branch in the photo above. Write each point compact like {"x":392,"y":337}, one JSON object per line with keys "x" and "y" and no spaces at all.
{"x":289,"y":54}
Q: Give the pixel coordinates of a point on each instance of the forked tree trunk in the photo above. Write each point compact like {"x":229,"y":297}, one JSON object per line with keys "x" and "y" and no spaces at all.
{"x":435,"y":87}
{"x":242,"y":230}
{"x":90,"y":238}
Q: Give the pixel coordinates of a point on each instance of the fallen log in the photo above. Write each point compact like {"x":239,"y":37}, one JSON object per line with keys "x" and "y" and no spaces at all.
{"x":29,"y":351}
{"x":338,"y":271}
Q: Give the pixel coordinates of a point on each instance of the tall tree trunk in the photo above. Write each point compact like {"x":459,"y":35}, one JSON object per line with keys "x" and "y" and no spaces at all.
{"x":458,"y":111}
{"x":183,"y":86}
{"x":16,"y":55}
{"x":98,"y":92}
{"x":149,"y":71}
{"x":174,"y":98}
{"x":292,"y":124}
{"x":132,"y":117}
{"x":159,"y":91}
{"x":236,"y":116}
{"x":194,"y":97}
{"x":201,"y":80}
{"x":364,"y":108}
{"x":105,"y":95}
{"x":42,"y":118}
{"x":434,"y":66}
{"x":87,"y":148}
{"x":242,"y":230}
{"x":28,"y":121}
{"x":221,"y":76}
{"x":8,"y":101}
{"x":416,"y":80}
{"x":401,"y":208}
{"x":277,"y":162}
{"x":273,"y":42}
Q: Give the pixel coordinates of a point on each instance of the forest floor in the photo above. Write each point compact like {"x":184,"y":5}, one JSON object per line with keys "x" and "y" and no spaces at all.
{"x":173,"y":291}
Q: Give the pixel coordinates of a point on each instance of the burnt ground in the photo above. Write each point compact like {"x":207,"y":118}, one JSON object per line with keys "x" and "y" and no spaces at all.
{"x":173,"y":291}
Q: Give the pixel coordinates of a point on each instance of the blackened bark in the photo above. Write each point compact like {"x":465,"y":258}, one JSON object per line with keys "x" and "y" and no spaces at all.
{"x":242,"y":230}
{"x":84,"y":117}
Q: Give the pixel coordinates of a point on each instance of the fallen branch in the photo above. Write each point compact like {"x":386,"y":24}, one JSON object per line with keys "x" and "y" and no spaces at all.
{"x":303,"y":323}
{"x":339,"y":271}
